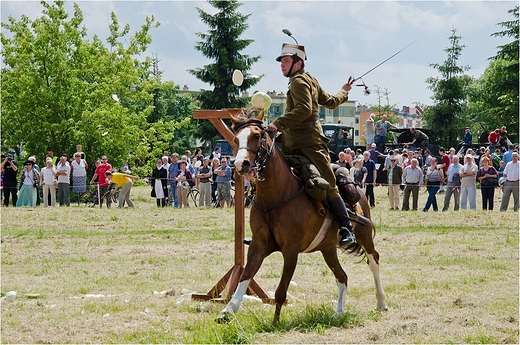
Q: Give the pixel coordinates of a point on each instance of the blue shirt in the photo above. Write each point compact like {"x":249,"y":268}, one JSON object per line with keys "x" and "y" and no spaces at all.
{"x":174,"y":170}
{"x":226,"y":178}
{"x":468,"y":138}
{"x":508,"y":156}
{"x":371,"y":166}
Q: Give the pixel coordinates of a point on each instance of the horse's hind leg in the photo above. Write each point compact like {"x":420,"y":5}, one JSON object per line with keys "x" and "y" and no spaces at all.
{"x":331,"y":258}
{"x":373,"y":263}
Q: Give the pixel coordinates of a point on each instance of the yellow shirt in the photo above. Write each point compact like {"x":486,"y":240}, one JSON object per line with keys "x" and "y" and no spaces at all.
{"x":120,"y":179}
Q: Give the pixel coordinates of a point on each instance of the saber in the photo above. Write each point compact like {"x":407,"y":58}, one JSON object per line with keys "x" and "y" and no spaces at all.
{"x":367,"y":91}
{"x":373,"y":68}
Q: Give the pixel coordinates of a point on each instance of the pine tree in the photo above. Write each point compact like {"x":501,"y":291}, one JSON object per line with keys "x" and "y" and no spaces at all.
{"x":449,"y":94}
{"x":223,"y":45}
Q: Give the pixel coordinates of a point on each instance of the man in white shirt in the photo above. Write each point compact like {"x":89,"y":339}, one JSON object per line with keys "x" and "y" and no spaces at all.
{"x":63,"y":176}
{"x":511,"y":174}
{"x":468,"y":186}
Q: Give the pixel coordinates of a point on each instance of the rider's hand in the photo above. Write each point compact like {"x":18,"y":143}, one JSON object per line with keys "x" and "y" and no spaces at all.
{"x":348,"y":86}
{"x":271,"y":128}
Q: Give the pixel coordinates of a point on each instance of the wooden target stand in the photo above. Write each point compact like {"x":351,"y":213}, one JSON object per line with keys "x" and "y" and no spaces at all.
{"x":226,"y":286}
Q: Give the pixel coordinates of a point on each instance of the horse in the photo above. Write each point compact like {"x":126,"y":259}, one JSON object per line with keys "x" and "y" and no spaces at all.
{"x":284,"y":218}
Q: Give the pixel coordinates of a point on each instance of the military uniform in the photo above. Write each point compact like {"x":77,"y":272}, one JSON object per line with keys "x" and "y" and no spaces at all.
{"x":302,"y":133}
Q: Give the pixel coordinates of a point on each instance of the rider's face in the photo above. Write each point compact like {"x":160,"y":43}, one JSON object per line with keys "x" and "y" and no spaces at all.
{"x":286,"y":63}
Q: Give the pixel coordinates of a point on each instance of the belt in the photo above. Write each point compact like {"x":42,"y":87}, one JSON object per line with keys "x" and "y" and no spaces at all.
{"x":204,"y":181}
{"x":311,"y":118}
{"x":512,"y":181}
{"x":412,"y":183}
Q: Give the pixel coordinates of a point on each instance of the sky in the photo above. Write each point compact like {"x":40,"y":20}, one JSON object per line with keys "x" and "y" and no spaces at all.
{"x":341,"y":38}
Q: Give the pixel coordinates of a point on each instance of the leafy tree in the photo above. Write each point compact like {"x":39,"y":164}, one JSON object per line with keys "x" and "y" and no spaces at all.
{"x":222,"y":44}
{"x":493,"y":98}
{"x":60,"y":89}
{"x":447,"y":115}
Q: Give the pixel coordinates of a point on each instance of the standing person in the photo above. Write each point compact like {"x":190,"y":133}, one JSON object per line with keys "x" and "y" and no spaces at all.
{"x":78,"y":168}
{"x":204,"y":183}
{"x":381,"y":132}
{"x":342,"y":162}
{"x":302,"y":133}
{"x":358,"y":173}
{"x":63,"y":176}
{"x":47,"y":178}
{"x":159,"y":183}
{"x":184,"y":182}
{"x":223,"y":181}
{"x":511,"y":174}
{"x":508,"y":155}
{"x":99,"y":174}
{"x":173,"y":170}
{"x":215,"y":163}
{"x":468,"y":187}
{"x":82,"y":154}
{"x":374,"y":153}
{"x":434,"y":176}
{"x":453,"y":187}
{"x":488,"y":191}
{"x":395,"y":173}
{"x":125,"y":182}
{"x":216,"y":153}
{"x":413,"y":180}
{"x":370,"y":181}
{"x":28,"y":179}
{"x":50,"y":154}
{"x":370,"y":130}
{"x":445,"y":164}
{"x":10,"y":167}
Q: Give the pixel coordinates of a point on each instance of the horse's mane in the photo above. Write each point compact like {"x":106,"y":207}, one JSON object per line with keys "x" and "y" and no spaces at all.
{"x":246,"y":117}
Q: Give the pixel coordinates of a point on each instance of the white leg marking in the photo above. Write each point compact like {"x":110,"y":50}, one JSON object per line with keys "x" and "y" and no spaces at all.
{"x":380,"y":293}
{"x":234,"y":303}
{"x":342,"y":293}
{"x":242,"y":153}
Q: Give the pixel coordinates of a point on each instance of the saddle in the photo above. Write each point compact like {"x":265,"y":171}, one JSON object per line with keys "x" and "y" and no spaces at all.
{"x":316,"y":186}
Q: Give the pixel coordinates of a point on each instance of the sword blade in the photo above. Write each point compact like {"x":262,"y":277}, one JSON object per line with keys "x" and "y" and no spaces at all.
{"x":373,"y":68}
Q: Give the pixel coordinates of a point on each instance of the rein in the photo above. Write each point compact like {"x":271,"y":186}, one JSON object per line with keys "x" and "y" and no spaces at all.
{"x":263,"y":155}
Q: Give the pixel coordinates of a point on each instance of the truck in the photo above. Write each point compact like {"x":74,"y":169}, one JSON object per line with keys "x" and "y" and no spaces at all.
{"x":341,"y":137}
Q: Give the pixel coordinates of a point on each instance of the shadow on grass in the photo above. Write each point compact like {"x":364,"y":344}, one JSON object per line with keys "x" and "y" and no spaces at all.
{"x":247,"y":324}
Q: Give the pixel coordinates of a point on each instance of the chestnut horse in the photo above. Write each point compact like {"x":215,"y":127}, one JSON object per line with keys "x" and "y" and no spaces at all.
{"x":283,"y":218}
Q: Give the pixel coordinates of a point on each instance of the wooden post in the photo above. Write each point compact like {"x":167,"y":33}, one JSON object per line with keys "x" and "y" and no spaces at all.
{"x":223,"y":290}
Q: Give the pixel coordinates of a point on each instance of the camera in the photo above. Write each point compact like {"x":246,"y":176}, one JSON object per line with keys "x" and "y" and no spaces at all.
{"x":9,"y":158}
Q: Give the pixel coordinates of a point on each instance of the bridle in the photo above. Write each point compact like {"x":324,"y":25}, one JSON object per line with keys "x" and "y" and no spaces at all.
{"x":263,"y":154}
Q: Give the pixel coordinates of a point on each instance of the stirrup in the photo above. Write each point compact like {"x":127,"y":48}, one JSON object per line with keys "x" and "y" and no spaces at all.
{"x":347,"y":238}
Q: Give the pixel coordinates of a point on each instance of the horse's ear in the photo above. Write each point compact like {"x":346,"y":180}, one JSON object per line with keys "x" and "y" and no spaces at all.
{"x":260,"y":116}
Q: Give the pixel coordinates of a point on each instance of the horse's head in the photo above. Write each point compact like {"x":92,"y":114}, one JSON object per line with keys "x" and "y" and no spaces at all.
{"x":251,"y":140}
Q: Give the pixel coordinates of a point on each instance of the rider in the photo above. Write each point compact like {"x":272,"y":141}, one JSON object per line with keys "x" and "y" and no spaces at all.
{"x":302,"y":133}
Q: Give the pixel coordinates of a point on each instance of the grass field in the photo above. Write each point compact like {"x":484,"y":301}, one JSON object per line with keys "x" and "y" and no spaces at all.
{"x":88,"y":275}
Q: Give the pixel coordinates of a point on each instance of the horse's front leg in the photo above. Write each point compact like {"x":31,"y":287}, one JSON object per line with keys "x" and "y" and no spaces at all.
{"x":290,"y":259}
{"x":255,"y":256}
{"x":331,"y":258}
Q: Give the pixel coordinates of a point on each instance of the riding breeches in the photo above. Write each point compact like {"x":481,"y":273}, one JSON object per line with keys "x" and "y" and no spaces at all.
{"x":319,"y":156}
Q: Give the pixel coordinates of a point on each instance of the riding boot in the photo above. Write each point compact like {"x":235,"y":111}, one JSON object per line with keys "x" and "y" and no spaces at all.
{"x":345,"y":226}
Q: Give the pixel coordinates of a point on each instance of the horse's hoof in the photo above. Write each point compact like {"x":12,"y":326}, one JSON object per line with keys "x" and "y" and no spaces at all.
{"x":382,"y":306}
{"x":223,"y":317}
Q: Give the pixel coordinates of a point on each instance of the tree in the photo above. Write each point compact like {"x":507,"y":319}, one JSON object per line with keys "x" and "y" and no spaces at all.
{"x":223,"y":45}
{"x":493,"y":97}
{"x":60,"y":89}
{"x":447,"y":115}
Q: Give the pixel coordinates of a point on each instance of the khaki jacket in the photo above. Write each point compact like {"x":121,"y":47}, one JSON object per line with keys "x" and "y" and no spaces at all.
{"x":303,"y":97}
